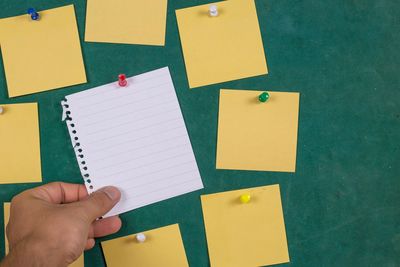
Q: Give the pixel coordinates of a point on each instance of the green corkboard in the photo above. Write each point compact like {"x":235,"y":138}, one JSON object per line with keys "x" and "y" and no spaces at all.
{"x":342,"y":206}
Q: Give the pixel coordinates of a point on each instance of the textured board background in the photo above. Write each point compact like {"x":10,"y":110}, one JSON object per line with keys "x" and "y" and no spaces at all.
{"x":342,"y":206}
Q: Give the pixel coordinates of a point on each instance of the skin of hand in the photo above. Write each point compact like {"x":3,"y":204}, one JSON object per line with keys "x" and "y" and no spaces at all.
{"x":53,"y":224}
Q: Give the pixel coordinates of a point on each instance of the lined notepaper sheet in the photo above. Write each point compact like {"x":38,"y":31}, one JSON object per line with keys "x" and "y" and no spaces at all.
{"x":133,"y":138}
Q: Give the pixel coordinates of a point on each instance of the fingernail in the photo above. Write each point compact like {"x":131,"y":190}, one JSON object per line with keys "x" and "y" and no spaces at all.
{"x":112,"y":192}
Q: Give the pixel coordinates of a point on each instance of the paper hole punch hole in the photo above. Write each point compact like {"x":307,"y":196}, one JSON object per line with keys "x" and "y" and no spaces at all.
{"x":32,"y":12}
{"x":77,"y":145}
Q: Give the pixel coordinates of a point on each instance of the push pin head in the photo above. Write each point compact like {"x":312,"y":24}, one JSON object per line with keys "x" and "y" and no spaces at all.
{"x":140,"y":237}
{"x":33,"y":13}
{"x":1,"y":110}
{"x":122,"y":80}
{"x":263,"y":97}
{"x":213,"y":10}
{"x":245,"y":198}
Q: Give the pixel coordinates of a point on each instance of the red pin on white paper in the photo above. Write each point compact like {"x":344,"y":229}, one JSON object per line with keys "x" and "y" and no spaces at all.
{"x":122,"y":80}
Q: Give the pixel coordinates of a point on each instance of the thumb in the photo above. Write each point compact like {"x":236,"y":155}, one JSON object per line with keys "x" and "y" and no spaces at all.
{"x":101,"y":202}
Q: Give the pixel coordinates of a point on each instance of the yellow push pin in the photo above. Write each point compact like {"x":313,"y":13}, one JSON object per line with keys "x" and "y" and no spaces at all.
{"x":245,"y":198}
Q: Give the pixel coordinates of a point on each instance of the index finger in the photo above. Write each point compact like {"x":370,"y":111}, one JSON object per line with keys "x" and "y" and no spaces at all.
{"x":60,"y":193}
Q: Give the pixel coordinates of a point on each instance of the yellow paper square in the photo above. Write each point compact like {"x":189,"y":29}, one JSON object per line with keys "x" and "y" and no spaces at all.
{"x":257,"y":136}
{"x":245,"y":235}
{"x":80,"y":262}
{"x":6,"y":211}
{"x":222,"y":48}
{"x":127,"y":22}
{"x":163,"y":247}
{"x":20,"y":144}
{"x":41,"y":55}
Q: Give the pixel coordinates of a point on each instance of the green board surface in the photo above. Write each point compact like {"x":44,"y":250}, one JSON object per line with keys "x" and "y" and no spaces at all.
{"x":342,"y":206}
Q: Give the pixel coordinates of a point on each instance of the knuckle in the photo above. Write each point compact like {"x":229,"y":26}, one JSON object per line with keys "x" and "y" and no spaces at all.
{"x":72,"y":252}
{"x":101,"y":200}
{"x":16,"y":199}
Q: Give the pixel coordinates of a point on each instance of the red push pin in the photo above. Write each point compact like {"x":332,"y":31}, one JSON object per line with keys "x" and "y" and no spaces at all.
{"x":122,"y":80}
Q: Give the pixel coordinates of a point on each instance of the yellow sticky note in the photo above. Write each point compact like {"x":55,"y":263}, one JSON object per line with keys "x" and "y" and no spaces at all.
{"x":128,"y":22}
{"x":80,"y":262}
{"x":222,"y":48}
{"x":245,"y":235}
{"x":20,"y":144}
{"x":163,"y":247}
{"x":257,"y":136}
{"x":41,"y":55}
{"x":6,"y":210}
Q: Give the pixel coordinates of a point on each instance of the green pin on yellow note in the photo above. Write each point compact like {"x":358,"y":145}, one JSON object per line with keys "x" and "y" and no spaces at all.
{"x":263,"y":97}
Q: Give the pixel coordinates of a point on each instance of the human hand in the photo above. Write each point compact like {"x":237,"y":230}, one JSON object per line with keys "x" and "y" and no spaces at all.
{"x":53,"y":224}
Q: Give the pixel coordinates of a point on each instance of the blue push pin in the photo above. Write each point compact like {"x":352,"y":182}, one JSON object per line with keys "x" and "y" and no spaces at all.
{"x":33,"y":13}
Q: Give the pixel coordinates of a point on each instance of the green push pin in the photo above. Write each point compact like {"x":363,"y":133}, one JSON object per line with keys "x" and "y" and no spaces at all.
{"x":263,"y":97}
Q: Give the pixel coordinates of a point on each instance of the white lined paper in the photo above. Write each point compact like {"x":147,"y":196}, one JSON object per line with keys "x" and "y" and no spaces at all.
{"x":133,"y":138}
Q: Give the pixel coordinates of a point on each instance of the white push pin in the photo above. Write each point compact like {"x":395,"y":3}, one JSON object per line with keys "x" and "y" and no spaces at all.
{"x":213,"y":11}
{"x":1,"y":110}
{"x":140,"y":237}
